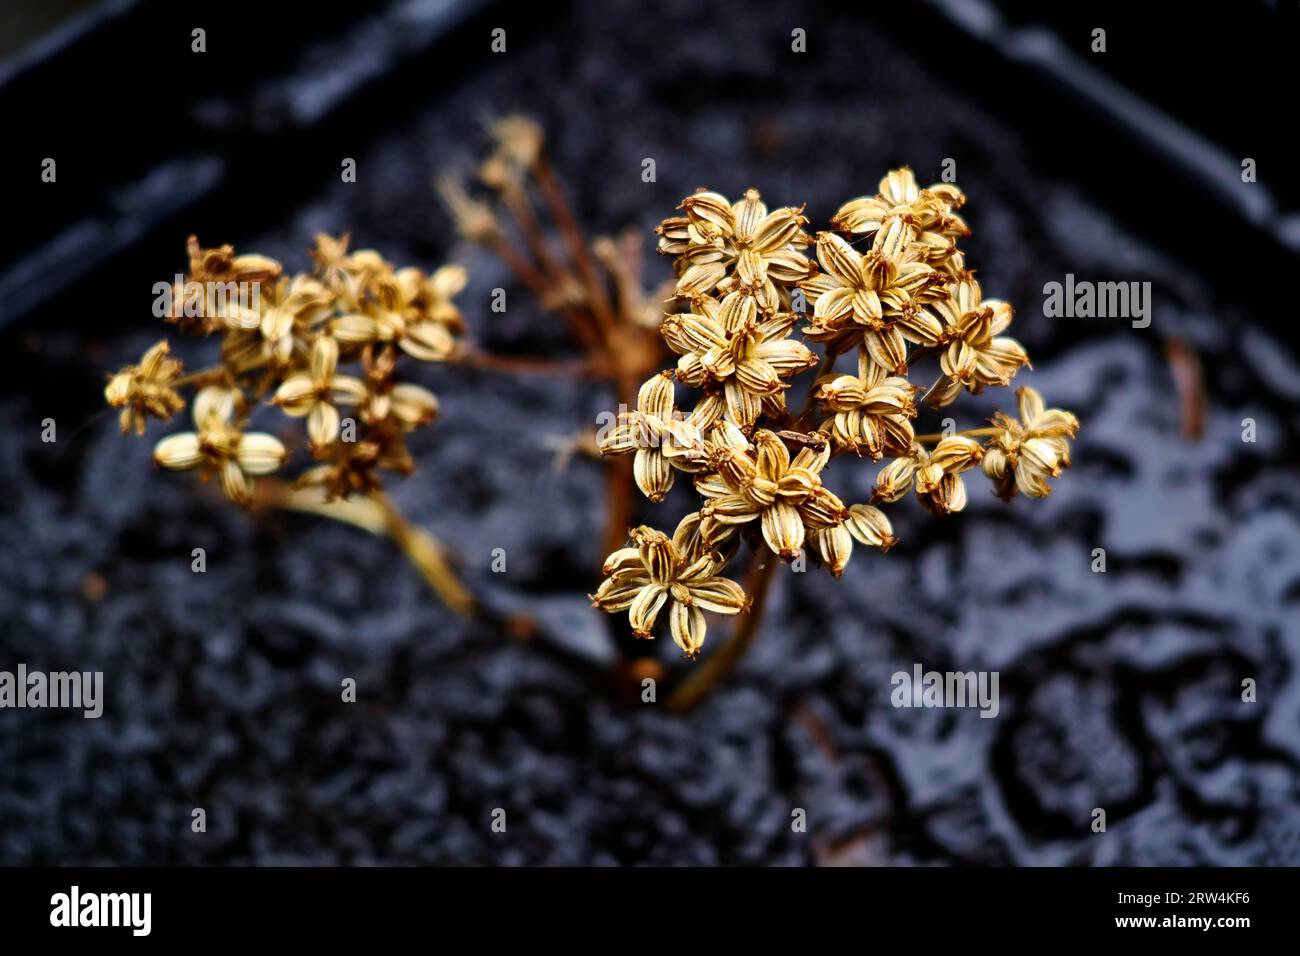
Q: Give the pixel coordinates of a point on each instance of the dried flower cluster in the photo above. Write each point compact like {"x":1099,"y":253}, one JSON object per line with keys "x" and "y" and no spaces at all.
{"x":889,"y":281}
{"x":321,"y":346}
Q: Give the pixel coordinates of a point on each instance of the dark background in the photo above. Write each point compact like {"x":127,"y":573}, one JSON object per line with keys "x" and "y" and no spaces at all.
{"x":1118,"y":690}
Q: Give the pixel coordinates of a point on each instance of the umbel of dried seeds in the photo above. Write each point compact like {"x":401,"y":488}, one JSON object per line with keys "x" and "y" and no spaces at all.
{"x":889,"y":282}
{"x":321,"y":347}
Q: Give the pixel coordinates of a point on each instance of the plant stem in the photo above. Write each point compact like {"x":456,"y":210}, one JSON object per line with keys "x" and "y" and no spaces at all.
{"x":379,"y":514}
{"x":561,"y":212}
{"x":202,"y":376}
{"x":810,"y":402}
{"x":516,"y":201}
{"x":542,"y":286}
{"x":719,"y":665}
{"x":619,"y":485}
{"x":521,"y":267}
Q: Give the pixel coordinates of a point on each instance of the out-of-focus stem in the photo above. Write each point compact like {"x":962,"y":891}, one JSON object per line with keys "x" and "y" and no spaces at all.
{"x":516,"y":201}
{"x":827,"y":363}
{"x":203,"y":376}
{"x":542,"y":288}
{"x":520,"y":266}
{"x":577,"y":244}
{"x":379,"y":514}
{"x":715,"y":668}
{"x":619,"y":483}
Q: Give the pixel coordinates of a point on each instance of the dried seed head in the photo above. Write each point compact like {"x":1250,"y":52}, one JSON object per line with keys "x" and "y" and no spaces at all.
{"x":1024,"y":453}
{"x":146,"y":390}
{"x":871,"y":527}
{"x":907,"y":296}
{"x":653,"y":573}
{"x":279,"y":345}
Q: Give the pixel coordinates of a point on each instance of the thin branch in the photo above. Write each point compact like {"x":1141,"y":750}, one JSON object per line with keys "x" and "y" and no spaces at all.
{"x":378,"y":514}
{"x":718,"y":666}
{"x":560,"y":210}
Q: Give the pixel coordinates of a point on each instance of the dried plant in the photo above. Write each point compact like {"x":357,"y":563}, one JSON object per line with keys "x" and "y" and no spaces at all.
{"x":886,"y":280}
{"x":323,"y":347}
{"x":594,"y":285}
{"x":746,"y":276}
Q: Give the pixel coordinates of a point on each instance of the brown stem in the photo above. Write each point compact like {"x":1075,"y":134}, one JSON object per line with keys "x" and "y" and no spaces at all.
{"x":626,"y":276}
{"x":619,"y":485}
{"x":427,"y":554}
{"x":379,"y":514}
{"x":705,"y":676}
{"x":534,"y":239}
{"x":828,"y":362}
{"x":1189,"y":380}
{"x":577,"y":245}
{"x":541,"y":287}
{"x":621,"y":480}
{"x":203,"y":376}
{"x":520,"y":266}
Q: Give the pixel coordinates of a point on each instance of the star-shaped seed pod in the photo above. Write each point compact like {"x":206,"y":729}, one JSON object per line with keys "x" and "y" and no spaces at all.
{"x":864,"y":524}
{"x":697,"y":535}
{"x":411,"y":406}
{"x":874,"y":298}
{"x":762,"y":481}
{"x":1025,"y":453}
{"x":406,"y":405}
{"x":976,"y":356}
{"x":928,"y":214}
{"x":340,"y":270}
{"x":222,"y":265}
{"x":519,"y":142}
{"x":388,"y":411}
{"x":214,"y":296}
{"x":219,"y":445}
{"x":146,"y":390}
{"x":728,"y":345}
{"x":353,"y":467}
{"x":654,"y":572}
{"x":409,"y":309}
{"x":871,"y":412}
{"x":723,"y":245}
{"x":278,"y":329}
{"x":661,"y":440}
{"x":934,"y":474}
{"x":350,"y":275}
{"x":317,"y":393}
